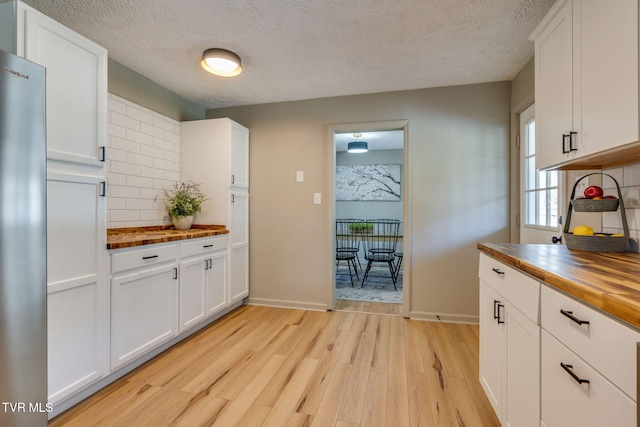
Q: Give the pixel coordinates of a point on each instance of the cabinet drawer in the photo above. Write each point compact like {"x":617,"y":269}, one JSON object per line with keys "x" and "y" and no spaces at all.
{"x":565,"y":402}
{"x":520,"y":290}
{"x":607,"y":345}
{"x":201,"y":246}
{"x":147,"y":255}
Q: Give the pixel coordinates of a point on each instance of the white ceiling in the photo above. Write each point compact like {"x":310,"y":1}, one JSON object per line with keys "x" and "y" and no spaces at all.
{"x":304,"y":49}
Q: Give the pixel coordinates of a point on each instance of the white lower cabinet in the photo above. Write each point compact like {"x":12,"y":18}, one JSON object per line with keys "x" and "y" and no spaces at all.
{"x":509,"y":360}
{"x":589,"y":365}
{"x":203,"y":280}
{"x":575,"y":394}
{"x":193,"y":281}
{"x":159,"y":291}
{"x":510,"y":343}
{"x":547,"y":359}
{"x":217,"y":280}
{"x":144,"y":311}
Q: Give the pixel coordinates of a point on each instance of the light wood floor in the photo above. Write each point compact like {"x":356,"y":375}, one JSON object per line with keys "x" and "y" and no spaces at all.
{"x":261,"y":366}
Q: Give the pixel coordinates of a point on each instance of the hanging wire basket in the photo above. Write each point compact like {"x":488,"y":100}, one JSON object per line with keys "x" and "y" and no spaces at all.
{"x":599,"y":242}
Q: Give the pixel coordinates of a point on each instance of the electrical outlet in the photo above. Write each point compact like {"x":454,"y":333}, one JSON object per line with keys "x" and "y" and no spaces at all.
{"x":582,"y":185}
{"x":317,"y":198}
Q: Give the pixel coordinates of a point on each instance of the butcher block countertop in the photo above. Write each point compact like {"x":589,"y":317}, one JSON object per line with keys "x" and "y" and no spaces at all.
{"x":608,"y":281}
{"x":118,"y":238}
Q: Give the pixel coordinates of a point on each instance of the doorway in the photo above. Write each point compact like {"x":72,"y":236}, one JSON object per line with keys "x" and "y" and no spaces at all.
{"x":367,"y":186}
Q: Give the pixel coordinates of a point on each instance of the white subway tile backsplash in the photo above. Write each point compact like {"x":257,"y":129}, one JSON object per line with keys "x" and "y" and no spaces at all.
{"x":142,"y":138}
{"x":142,"y":159}
{"x":631,"y":175}
{"x":140,"y":115}
{"x":124,"y":168}
{"x":124,"y":121}
{"x":151,"y":130}
{"x":151,"y":172}
{"x":628,"y":178}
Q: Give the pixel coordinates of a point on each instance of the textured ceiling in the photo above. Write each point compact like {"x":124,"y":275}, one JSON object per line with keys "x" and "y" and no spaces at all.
{"x":304,"y":49}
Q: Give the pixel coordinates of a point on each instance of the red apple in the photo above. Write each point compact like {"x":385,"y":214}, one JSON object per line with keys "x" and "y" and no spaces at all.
{"x":593,"y":191}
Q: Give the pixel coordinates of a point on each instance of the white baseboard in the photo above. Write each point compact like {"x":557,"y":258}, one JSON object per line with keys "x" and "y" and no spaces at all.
{"x":287,"y":304}
{"x":444,"y":317}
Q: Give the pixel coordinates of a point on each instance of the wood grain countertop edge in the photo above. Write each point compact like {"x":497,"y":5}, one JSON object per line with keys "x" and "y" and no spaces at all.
{"x":120,"y":238}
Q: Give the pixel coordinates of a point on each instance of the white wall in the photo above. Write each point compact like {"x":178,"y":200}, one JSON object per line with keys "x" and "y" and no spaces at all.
{"x":143,"y":157}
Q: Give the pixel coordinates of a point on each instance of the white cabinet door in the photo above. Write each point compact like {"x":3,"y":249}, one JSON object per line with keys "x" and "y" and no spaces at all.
{"x":217,"y":282}
{"x":75,"y":334}
{"x":523,"y":370}
{"x":239,"y":155}
{"x":193,"y":279}
{"x":606,"y":79}
{"x":76,"y":87}
{"x":492,"y":347}
{"x":75,"y":283}
{"x":144,"y":312}
{"x":239,"y":244}
{"x":554,"y":89}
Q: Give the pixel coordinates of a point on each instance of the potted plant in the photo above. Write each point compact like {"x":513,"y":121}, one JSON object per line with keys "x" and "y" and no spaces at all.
{"x":183,"y":200}
{"x":361,"y":227}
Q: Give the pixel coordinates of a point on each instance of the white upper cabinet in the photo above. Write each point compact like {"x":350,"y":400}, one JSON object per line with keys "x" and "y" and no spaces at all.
{"x":76,"y":86}
{"x":586,"y":80}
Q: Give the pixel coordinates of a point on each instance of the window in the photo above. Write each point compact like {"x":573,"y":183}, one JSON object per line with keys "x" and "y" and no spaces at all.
{"x":540,"y":188}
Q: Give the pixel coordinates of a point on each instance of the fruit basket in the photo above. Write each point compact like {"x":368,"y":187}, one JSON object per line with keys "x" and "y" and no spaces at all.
{"x":590,"y":205}
{"x":599,"y":242}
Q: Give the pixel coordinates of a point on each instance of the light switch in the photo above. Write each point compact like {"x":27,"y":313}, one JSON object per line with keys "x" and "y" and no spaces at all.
{"x":299,"y":176}
{"x":317,"y":198}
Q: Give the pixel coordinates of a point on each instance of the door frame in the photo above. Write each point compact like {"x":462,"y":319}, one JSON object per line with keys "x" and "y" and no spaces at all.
{"x":375,"y":126}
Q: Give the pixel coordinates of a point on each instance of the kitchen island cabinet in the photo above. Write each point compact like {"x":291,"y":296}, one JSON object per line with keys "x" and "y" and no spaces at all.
{"x":590,"y":327}
{"x":586,"y":84}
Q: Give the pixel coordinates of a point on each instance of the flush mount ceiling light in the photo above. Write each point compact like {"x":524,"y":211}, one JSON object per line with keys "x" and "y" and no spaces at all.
{"x":357,"y":146}
{"x":221,"y":62}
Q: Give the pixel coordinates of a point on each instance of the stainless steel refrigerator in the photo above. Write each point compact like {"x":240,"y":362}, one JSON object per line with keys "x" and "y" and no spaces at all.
{"x":23,"y":298}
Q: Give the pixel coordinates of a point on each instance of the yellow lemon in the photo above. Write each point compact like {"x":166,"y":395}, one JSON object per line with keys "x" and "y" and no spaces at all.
{"x":617,"y":235}
{"x":583,"y":230}
{"x":600,"y":234}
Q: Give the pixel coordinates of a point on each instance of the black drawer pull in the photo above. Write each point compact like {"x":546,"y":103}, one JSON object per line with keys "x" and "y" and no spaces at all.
{"x":569,"y":369}
{"x":572,"y":138}
{"x":208,"y":246}
{"x":570,"y":315}
{"x":150,"y":257}
{"x":499,"y":319}
{"x":564,"y":143}
{"x":497,"y":271}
